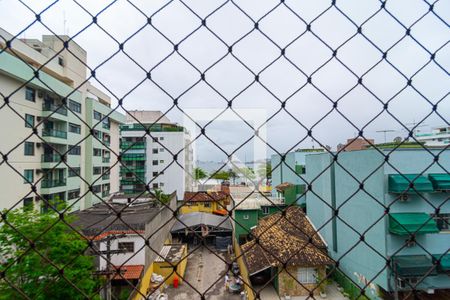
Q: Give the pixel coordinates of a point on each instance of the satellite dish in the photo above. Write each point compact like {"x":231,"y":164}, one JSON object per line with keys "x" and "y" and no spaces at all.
{"x":398,"y":139}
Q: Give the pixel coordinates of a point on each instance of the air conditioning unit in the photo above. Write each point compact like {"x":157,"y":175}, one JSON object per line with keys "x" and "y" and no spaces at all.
{"x":41,"y":94}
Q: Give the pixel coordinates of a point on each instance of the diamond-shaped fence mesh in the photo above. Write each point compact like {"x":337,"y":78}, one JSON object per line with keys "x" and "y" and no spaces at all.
{"x":105,"y":196}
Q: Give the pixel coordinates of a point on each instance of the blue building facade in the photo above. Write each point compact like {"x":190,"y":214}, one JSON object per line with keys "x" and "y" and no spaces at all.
{"x":371,"y":234}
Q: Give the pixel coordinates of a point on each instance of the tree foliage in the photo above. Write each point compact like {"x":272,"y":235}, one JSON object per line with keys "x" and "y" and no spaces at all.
{"x":265,"y":170}
{"x":34,"y":248}
{"x":199,"y":173}
{"x":221,"y":175}
{"x":163,"y":198}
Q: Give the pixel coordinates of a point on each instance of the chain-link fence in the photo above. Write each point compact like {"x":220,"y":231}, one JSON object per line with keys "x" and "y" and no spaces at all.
{"x":105,"y":196}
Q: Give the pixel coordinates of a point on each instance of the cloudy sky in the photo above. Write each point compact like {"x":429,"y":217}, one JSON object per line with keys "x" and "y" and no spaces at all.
{"x":282,"y":78}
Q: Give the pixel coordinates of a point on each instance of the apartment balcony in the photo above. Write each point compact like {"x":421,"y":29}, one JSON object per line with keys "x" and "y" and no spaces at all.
{"x":132,"y":169}
{"x":134,"y":157}
{"x":132,"y":145}
{"x":106,"y":177}
{"x":49,"y":107}
{"x":132,"y":181}
{"x":47,"y":184}
{"x":106,"y":160}
{"x":50,"y":158}
{"x":54,"y":133}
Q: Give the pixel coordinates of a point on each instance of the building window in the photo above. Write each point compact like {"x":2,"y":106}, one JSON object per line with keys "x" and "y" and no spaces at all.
{"x":97,"y":188}
{"x":28,"y":176}
{"x":74,"y":150}
{"x":161,"y":138}
{"x":161,"y":149}
{"x":74,"y":128}
{"x":155,"y":139}
{"x":155,"y":174}
{"x":29,"y":121}
{"x":155,"y":162}
{"x":73,"y":194}
{"x":155,"y":151}
{"x":74,"y":172}
{"x":75,"y":106}
{"x":207,"y":204}
{"x":307,"y":275}
{"x":161,"y":184}
{"x":97,"y":115}
{"x":155,"y":185}
{"x":246,"y":217}
{"x":60,"y":61}
{"x":126,"y":246}
{"x":97,"y":170}
{"x":29,"y":148}
{"x":97,"y":152}
{"x":28,"y":203}
{"x":265,"y":210}
{"x":30,"y":94}
{"x":443,"y":221}
{"x":161,"y":161}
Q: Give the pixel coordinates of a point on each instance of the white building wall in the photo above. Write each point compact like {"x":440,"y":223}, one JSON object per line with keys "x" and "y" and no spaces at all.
{"x":13,"y":132}
{"x":133,"y":258}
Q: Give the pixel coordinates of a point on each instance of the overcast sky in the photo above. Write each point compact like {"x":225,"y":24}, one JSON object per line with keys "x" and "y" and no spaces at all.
{"x":279,"y":81}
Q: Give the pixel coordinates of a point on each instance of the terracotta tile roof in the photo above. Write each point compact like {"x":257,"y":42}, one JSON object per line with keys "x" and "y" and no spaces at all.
{"x":291,"y":239}
{"x":129,"y":272}
{"x":283,"y":186}
{"x":203,"y":196}
{"x":114,"y":232}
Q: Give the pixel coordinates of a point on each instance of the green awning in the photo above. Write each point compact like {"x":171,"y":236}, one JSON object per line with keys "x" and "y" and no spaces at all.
{"x":413,"y":266}
{"x":408,"y":223}
{"x":445,"y":261}
{"x":399,"y":183}
{"x":440,"y":181}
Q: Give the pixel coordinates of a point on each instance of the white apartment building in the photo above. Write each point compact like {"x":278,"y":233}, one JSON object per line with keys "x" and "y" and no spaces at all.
{"x":43,"y":131}
{"x":149,"y":158}
{"x":439,"y":136}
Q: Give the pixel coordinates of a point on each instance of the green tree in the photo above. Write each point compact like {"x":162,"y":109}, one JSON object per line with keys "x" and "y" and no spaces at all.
{"x":159,"y":195}
{"x":34,"y":248}
{"x":233,"y":175}
{"x":199,"y":173}
{"x":221,"y":175}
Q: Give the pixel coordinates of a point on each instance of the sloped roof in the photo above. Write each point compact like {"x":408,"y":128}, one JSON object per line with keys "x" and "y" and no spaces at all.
{"x":196,"y":219}
{"x":203,"y":196}
{"x":291,"y":239}
{"x":283,"y":186}
{"x":129,"y":272}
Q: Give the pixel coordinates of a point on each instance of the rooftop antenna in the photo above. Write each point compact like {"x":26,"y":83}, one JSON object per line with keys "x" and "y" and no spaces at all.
{"x":385,"y":131}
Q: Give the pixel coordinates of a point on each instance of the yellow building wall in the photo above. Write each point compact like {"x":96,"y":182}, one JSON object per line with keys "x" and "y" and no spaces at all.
{"x":166,"y":270}
{"x":144,"y":283}
{"x":200,"y":207}
{"x":244,"y":271}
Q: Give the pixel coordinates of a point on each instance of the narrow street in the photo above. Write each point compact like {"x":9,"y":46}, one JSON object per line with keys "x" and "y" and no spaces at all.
{"x":205,"y":273}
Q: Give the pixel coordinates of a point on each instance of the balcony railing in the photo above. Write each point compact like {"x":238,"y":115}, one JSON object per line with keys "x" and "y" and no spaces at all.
{"x":132,"y":145}
{"x":54,"y":133}
{"x":50,"y":158}
{"x":130,"y":169}
{"x":55,"y":108}
{"x":106,"y":177}
{"x":105,"y":194}
{"x":106,"y":159}
{"x":133,"y":156}
{"x":105,"y":126}
{"x":45,"y":183}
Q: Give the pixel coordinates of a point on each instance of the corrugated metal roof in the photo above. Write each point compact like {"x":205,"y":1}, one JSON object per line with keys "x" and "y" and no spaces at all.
{"x":199,"y":218}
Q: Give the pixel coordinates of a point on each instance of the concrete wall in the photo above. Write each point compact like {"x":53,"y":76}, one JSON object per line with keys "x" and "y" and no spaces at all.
{"x":135,"y":258}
